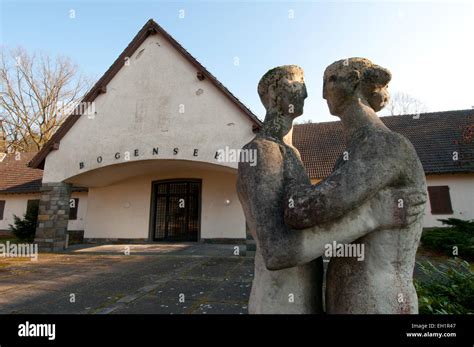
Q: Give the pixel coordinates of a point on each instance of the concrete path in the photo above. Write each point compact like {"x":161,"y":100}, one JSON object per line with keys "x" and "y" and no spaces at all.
{"x":183,"y":248}
{"x":155,"y":278}
{"x":126,"y":278}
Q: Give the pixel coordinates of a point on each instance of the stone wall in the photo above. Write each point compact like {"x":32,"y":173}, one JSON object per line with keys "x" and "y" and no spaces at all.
{"x":53,"y":217}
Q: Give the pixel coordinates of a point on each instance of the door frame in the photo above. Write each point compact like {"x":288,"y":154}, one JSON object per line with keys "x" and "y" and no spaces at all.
{"x":152,"y":223}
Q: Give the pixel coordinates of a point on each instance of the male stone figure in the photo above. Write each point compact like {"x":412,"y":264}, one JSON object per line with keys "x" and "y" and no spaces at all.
{"x":377,"y":158}
{"x":295,"y":286}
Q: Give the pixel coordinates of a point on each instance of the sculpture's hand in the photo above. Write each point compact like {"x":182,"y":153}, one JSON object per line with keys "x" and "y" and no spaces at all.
{"x":398,"y":208}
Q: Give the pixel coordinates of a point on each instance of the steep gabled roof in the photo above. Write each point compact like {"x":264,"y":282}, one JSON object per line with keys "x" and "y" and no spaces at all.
{"x":435,"y":137}
{"x":150,"y":28}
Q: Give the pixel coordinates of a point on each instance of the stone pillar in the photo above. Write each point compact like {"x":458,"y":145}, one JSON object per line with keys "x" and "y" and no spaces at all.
{"x":251,"y":246}
{"x":53,"y":217}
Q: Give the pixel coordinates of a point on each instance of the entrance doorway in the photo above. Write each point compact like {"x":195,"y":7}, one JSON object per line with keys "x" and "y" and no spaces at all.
{"x":176,"y":206}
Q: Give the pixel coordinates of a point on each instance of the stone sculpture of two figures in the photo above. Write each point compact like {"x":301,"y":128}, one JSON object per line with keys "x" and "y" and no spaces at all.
{"x":374,"y":198}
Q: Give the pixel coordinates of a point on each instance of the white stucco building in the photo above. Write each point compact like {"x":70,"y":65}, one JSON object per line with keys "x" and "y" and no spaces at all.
{"x":143,"y":155}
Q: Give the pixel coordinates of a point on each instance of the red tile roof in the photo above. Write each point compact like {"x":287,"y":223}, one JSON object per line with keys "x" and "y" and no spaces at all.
{"x":16,"y":176}
{"x":435,"y":137}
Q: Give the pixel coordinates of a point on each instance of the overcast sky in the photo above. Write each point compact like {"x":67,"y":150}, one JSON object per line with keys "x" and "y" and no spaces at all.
{"x":428,"y":46}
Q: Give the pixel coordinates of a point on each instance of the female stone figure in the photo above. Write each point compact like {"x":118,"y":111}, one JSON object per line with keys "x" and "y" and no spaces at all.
{"x":377,"y":158}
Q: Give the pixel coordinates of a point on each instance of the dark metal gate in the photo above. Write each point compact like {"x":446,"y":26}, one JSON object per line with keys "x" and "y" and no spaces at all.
{"x":176,"y":210}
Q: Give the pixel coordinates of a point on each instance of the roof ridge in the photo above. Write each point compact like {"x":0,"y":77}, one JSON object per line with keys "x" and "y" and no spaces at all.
{"x":434,"y":137}
{"x":150,"y":28}
{"x":434,"y":113}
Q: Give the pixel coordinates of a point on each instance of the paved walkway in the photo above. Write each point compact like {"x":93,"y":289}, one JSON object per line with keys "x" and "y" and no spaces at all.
{"x":142,"y":278}
{"x":182,"y":248}
{"x":154,"y":278}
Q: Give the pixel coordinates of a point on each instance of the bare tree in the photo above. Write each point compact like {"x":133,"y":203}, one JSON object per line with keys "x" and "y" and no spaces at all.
{"x":307,"y":121}
{"x":35,"y":92}
{"x":402,"y":103}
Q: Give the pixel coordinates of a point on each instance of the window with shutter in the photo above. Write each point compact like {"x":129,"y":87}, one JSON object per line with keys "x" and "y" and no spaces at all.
{"x":440,"y":200}
{"x":32,"y":206}
{"x":73,"y":206}
{"x":2,"y":208}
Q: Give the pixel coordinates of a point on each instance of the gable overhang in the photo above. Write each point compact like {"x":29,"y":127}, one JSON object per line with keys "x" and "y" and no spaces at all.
{"x":150,"y":28}
{"x":118,"y":172}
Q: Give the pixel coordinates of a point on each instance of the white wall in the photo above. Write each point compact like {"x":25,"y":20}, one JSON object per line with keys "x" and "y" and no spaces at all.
{"x":122,"y":210}
{"x":461,"y":190}
{"x":80,"y":222}
{"x":102,"y":212}
{"x":15,"y":204}
{"x":140,"y":110}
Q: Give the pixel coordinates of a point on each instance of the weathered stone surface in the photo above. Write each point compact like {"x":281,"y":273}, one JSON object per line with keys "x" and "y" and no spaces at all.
{"x":293,"y":222}
{"x":260,"y":188}
{"x":383,"y":283}
{"x":51,"y":233}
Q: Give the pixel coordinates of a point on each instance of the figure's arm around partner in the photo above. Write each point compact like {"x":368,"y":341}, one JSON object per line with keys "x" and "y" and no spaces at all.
{"x":371,"y":166}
